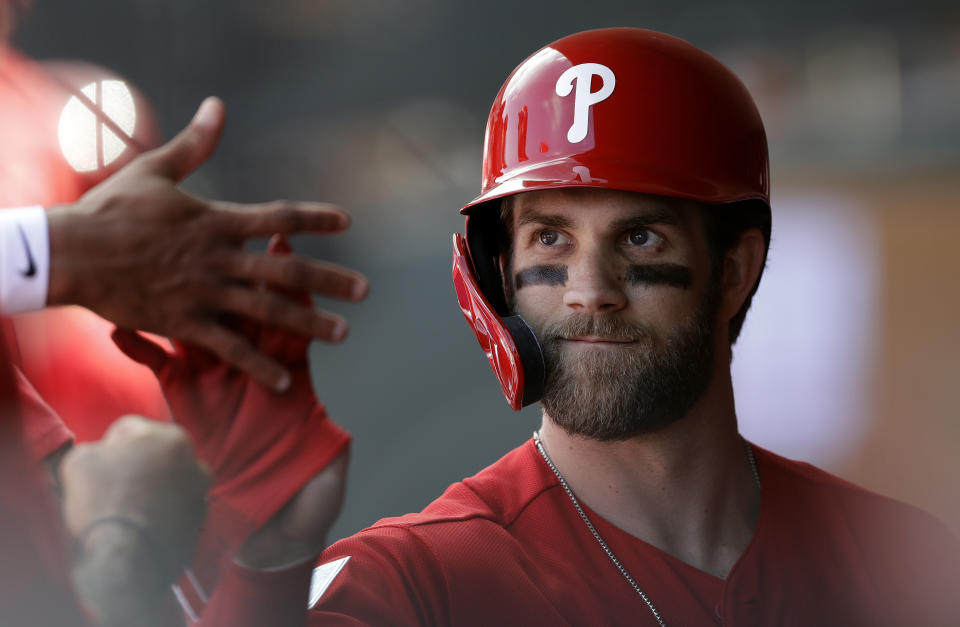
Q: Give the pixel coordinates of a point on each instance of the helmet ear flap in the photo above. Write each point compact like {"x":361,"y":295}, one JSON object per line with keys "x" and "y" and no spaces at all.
{"x":507,"y":340}
{"x":487,"y":244}
{"x":483,"y":230}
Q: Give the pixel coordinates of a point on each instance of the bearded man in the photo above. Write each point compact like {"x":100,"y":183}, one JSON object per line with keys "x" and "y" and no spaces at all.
{"x":608,"y":266}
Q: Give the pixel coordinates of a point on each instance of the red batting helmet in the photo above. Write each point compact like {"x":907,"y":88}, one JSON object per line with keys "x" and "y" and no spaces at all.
{"x":618,"y":108}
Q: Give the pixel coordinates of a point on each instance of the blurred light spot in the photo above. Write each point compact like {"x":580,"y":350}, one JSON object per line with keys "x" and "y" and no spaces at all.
{"x":802,"y":365}
{"x":82,"y":120}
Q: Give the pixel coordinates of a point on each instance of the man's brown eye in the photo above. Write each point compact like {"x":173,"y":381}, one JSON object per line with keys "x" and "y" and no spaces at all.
{"x":643,"y":237}
{"x":548,"y":238}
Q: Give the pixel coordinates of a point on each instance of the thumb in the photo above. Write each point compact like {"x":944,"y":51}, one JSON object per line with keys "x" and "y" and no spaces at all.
{"x":192,"y":146}
{"x":140,"y":349}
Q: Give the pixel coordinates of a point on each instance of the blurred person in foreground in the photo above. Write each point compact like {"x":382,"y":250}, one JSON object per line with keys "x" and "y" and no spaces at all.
{"x":125,"y":243}
{"x":67,"y":126}
{"x":145,"y":255}
{"x":133,"y":503}
{"x":606,"y":269}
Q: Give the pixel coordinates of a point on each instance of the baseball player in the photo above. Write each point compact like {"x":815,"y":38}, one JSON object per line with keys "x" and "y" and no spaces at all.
{"x":606,"y":270}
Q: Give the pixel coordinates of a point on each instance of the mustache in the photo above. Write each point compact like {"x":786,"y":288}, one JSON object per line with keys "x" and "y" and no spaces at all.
{"x":579,"y":324}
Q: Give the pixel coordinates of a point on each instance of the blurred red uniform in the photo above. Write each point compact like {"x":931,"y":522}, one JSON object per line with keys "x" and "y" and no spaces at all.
{"x":35,"y":586}
{"x":67,"y":353}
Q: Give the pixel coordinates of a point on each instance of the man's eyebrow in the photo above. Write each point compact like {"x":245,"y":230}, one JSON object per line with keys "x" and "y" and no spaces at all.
{"x":544,"y":219}
{"x":647,"y":217}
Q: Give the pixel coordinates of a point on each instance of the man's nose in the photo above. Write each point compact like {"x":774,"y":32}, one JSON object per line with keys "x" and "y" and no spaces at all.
{"x":595,"y":284}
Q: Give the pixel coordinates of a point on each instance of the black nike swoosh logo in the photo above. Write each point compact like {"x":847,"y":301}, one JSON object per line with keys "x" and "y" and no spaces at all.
{"x":31,"y":269}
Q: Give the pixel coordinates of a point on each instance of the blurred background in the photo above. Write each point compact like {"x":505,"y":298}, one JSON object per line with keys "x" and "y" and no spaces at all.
{"x":849,"y":358}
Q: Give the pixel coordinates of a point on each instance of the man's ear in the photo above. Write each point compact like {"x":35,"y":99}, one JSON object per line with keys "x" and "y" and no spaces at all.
{"x":742,"y":265}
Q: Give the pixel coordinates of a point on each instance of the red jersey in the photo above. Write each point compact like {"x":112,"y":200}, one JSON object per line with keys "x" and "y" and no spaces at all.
{"x":35,"y":585}
{"x":507,"y":547}
{"x":42,"y":428}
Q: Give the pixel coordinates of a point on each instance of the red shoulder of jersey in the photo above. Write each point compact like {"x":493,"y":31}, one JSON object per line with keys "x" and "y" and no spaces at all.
{"x":483,"y":495}
{"x":412,"y":569}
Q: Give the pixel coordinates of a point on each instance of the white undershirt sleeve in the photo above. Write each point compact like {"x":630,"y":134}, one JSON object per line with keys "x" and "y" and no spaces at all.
{"x":24,"y":259}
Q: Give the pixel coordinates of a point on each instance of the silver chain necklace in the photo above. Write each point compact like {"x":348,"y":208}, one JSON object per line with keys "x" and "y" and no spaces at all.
{"x":596,"y":534}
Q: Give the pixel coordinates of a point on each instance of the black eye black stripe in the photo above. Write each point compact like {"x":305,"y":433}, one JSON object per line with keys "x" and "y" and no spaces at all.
{"x":670,"y":274}
{"x":541,"y":275}
{"x":661,"y":274}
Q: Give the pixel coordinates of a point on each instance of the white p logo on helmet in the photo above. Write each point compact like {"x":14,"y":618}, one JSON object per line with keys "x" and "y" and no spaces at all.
{"x":583,"y":99}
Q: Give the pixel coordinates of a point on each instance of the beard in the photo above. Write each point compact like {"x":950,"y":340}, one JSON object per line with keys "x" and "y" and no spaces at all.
{"x":637,"y":389}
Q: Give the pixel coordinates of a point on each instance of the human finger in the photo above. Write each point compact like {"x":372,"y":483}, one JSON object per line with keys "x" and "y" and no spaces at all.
{"x":237,"y":351}
{"x":279,"y":245}
{"x":293,"y":273}
{"x":192,"y":146}
{"x":277,"y":310}
{"x":281,"y":216}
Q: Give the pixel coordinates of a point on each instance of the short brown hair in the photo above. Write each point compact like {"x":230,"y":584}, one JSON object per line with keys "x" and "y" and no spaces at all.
{"x":724,"y":224}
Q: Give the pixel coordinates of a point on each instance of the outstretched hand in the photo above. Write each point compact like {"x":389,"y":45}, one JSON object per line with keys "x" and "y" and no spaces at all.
{"x":146,"y":255}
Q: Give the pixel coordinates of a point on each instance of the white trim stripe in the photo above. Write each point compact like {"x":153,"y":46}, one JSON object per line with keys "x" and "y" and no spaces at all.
{"x":323,"y":576}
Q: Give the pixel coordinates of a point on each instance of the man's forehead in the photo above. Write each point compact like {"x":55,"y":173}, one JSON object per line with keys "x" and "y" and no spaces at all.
{"x":584,"y":204}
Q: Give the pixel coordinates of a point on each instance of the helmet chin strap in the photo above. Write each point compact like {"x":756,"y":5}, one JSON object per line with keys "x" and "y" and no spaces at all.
{"x":531,"y":356}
